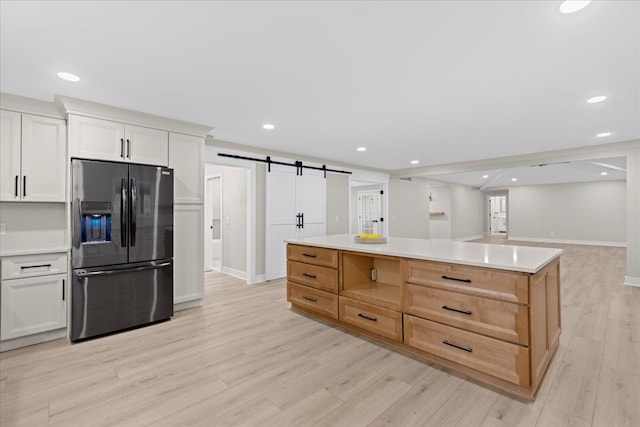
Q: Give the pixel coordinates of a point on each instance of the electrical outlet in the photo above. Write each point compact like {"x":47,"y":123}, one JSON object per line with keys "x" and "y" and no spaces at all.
{"x":3,"y":228}
{"x":337,"y":219}
{"x":227,"y":220}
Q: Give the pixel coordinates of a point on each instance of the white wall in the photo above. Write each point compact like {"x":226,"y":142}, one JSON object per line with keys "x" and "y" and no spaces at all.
{"x":409,"y":208}
{"x":234,"y":219}
{"x":580,"y":212}
{"x":440,"y":225}
{"x":337,"y":192}
{"x":466,"y":212}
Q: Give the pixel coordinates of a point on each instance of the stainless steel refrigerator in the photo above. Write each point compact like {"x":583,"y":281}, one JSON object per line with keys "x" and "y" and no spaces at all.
{"x":122,"y":246}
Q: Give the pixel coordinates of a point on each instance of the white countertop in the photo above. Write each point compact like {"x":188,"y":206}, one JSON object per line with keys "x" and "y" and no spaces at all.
{"x":504,"y":257}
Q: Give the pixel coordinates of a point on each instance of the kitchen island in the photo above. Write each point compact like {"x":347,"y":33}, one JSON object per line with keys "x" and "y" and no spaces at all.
{"x":491,"y":312}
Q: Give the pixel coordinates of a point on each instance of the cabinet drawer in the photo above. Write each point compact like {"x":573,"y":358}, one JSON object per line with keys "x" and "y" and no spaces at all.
{"x":324,"y":278}
{"x":313,"y":299}
{"x":313,"y":255}
{"x":378,"y":320}
{"x":498,"y":319}
{"x":507,"y":361}
{"x":33,"y":265}
{"x":482,"y":282}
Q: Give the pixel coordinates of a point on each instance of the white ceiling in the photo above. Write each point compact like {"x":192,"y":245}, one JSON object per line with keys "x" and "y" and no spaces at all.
{"x":552,"y":173}
{"x":437,"y":81}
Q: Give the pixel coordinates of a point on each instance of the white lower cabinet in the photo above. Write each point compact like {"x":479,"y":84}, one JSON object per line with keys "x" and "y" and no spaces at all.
{"x":32,"y":305}
{"x":188,"y":265}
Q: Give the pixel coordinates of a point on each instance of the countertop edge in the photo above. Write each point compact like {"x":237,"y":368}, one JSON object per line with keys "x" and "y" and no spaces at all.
{"x":370,"y":249}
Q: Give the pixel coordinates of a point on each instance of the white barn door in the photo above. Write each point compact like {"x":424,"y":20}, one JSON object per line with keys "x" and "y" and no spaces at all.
{"x":289,"y":195}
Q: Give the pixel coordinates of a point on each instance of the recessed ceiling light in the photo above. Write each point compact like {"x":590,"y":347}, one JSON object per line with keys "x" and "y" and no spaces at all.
{"x":571,"y":6}
{"x":415,"y":162}
{"x":514,"y":179}
{"x":596,"y":99}
{"x":603,"y":173}
{"x":361,"y":148}
{"x":603,"y":134}
{"x":485,"y":176}
{"x":268,"y":126}
{"x":68,"y":76}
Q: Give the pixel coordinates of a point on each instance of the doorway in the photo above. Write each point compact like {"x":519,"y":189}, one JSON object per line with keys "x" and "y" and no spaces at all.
{"x":498,"y":222}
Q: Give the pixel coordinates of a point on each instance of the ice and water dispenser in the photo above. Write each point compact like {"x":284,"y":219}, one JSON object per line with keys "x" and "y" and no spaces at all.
{"x":95,"y":222}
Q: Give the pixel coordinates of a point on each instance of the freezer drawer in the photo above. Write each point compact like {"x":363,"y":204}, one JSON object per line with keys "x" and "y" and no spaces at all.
{"x":117,"y":297}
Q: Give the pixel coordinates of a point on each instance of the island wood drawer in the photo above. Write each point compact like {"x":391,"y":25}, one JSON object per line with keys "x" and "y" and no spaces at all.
{"x":378,"y":320}
{"x":313,"y":255}
{"x":507,"y":361}
{"x":498,"y":319}
{"x":324,"y":278}
{"x":484,"y":282}
{"x":15,"y":267}
{"x":313,"y":299}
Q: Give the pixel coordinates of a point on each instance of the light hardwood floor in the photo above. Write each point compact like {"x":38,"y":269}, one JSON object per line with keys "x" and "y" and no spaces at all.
{"x":244,"y":358}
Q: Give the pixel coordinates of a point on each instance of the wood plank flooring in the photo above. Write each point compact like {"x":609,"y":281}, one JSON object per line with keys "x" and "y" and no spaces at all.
{"x":244,"y":358}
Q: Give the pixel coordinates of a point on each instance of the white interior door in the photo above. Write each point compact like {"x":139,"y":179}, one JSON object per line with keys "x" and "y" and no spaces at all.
{"x":498,"y":215}
{"x":281,"y":218}
{"x":369,"y":212}
{"x":213,"y":241}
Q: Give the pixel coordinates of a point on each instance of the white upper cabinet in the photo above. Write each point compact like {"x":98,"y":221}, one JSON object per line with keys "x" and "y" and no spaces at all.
{"x":146,"y":145}
{"x":10,"y":155}
{"x":33,"y":158}
{"x":43,"y":159}
{"x":106,"y":140}
{"x":186,"y":157}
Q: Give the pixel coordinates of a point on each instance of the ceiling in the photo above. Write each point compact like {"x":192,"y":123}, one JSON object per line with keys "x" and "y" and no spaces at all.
{"x":550,"y":173}
{"x":437,"y":81}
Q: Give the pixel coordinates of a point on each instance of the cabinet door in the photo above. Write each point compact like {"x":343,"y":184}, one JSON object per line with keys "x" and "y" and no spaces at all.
{"x":33,"y":305}
{"x":146,"y":145}
{"x":186,"y":157}
{"x":10,"y":156}
{"x":96,"y":139}
{"x":44,"y":153}
{"x":188,"y":245}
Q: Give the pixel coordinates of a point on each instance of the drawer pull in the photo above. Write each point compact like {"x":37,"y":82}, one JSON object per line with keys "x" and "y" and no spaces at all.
{"x":35,"y":266}
{"x":467,"y":349}
{"x":312,"y":299}
{"x":373,"y":319}
{"x":456,"y":310}
{"x":456,"y":279}
{"x":310,"y":276}
{"x":309,"y":255}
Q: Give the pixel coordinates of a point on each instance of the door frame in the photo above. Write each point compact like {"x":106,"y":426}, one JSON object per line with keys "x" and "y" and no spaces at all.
{"x":212,"y":158}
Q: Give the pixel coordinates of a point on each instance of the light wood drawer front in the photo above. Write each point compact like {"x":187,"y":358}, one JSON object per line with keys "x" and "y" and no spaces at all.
{"x":324,"y":278}
{"x":484,"y":282}
{"x":313,"y":255}
{"x":16,"y":267}
{"x":378,"y":320}
{"x":509,"y":362}
{"x":313,"y":299}
{"x":498,"y":319}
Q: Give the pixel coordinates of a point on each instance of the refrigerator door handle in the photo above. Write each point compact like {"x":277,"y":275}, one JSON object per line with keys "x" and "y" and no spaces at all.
{"x":134,"y":213}
{"x":123,"y":211}
{"x":124,"y":270}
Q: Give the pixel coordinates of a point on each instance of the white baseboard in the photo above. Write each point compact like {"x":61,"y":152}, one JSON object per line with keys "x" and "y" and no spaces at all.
{"x":33,"y":339}
{"x":235,"y":273}
{"x":466,"y":239}
{"x":567,"y":241}
{"x":632,"y":281}
{"x":187,"y":305}
{"x":258,"y":278}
